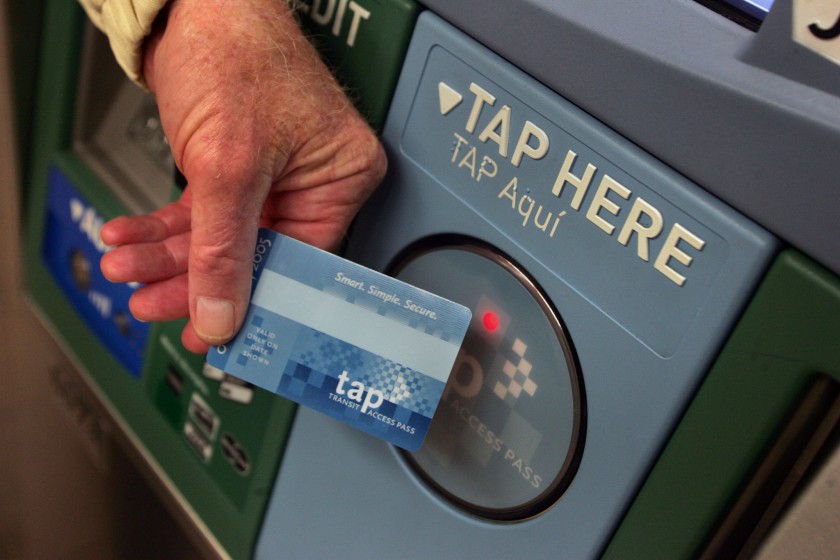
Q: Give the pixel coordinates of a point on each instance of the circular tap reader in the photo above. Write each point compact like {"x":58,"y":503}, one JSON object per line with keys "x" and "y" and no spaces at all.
{"x":507,"y":437}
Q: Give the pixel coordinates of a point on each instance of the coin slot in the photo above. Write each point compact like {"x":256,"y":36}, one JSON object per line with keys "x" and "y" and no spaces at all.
{"x":198,"y":442}
{"x":175,"y":381}
{"x":203,"y":416}
{"x":235,"y":454}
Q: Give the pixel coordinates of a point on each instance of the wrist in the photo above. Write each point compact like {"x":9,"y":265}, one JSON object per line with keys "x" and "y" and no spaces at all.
{"x":150,"y":44}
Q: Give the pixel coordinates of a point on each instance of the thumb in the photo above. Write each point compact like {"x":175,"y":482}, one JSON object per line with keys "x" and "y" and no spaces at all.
{"x":225,"y":220}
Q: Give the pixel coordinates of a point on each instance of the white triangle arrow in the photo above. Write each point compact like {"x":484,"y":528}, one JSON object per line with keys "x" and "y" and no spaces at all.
{"x":449,"y":98}
{"x":76,"y":209}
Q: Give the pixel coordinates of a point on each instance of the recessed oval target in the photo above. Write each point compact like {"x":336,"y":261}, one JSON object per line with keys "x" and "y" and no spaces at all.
{"x":508,"y":433}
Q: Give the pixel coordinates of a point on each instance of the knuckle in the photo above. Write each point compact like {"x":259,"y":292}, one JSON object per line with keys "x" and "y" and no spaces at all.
{"x":367,"y":155}
{"x":376,"y":163}
{"x":220,"y":260}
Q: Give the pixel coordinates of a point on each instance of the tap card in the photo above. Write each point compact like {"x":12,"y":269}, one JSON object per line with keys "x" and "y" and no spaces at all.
{"x":350,"y":342}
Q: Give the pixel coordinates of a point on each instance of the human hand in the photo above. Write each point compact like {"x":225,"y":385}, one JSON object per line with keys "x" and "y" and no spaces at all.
{"x":264,"y":136}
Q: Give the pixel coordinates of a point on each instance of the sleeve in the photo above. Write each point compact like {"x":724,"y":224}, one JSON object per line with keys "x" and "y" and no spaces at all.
{"x":126,"y":23}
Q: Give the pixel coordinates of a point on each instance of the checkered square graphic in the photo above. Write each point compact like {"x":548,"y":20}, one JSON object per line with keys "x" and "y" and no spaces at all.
{"x":517,"y":376}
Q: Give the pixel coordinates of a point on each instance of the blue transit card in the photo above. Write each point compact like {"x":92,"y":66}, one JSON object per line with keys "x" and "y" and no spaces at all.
{"x":355,"y":344}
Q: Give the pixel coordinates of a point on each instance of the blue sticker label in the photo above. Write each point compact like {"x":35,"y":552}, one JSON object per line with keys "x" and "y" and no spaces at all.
{"x":72,"y":250}
{"x":359,"y":346}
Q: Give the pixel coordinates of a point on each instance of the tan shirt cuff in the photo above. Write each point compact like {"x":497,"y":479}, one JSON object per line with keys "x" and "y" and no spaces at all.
{"x":126,"y":23}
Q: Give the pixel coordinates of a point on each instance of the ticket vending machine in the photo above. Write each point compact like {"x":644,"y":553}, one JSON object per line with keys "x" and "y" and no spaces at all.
{"x":635,"y":202}
{"x":621,"y":195}
{"x":99,"y":152}
{"x":211,"y":443}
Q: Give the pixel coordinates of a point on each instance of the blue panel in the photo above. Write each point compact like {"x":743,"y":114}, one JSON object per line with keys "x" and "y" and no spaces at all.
{"x":564,"y":234}
{"x":754,"y":8}
{"x":646,"y":270}
{"x":72,"y":250}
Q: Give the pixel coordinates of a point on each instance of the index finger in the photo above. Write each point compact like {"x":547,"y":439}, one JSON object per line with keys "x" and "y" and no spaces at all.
{"x":168,"y":221}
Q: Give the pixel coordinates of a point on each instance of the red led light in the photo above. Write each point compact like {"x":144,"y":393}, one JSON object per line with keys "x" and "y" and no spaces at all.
{"x":491,"y":321}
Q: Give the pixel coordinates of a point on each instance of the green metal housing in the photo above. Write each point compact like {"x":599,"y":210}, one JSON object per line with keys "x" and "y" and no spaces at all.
{"x":787,"y":337}
{"x":225,"y":502}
